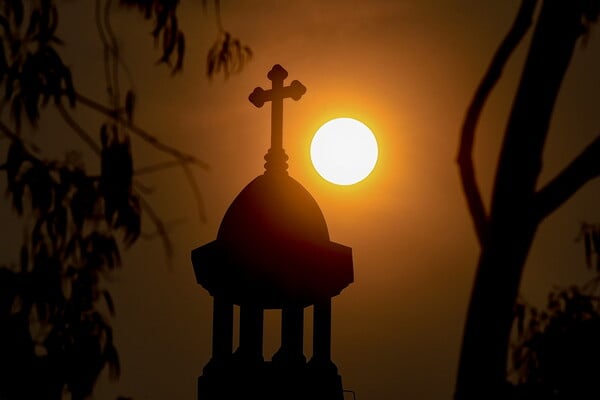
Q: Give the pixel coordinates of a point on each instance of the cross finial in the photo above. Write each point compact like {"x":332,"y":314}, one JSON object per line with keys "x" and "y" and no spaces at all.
{"x":276,"y":156}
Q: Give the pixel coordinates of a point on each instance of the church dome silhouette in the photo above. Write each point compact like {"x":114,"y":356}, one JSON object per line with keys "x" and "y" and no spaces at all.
{"x":271,"y":211}
{"x":273,"y":248}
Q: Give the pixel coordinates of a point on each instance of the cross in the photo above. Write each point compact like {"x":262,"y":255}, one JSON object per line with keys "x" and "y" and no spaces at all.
{"x":275,"y":95}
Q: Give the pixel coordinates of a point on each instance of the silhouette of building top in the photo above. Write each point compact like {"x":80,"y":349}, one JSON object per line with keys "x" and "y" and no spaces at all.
{"x":272,"y":251}
{"x":273,"y":246}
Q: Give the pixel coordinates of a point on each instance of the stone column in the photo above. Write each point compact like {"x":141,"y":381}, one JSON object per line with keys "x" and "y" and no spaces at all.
{"x":251,"y":333}
{"x":322,"y":332}
{"x":292,"y":336}
{"x":222,"y":332}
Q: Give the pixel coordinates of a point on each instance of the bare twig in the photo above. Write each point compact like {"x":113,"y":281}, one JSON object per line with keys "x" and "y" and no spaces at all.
{"x":181,"y":156}
{"x":94,"y":105}
{"x":7,"y":132}
{"x":105,"y":48}
{"x":195,"y":190}
{"x":217,"y":5}
{"x":29,"y":154}
{"x":78,"y":129}
{"x":585,"y":167}
{"x":112,"y":41}
{"x":157,"y":167}
{"x":28,"y":147}
{"x":142,"y":187}
{"x":465,"y":160}
{"x":160,"y":228}
{"x":168,"y":225}
{"x":184,"y":157}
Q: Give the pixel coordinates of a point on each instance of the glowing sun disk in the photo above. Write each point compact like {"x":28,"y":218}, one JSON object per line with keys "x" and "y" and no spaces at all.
{"x":344,"y":151}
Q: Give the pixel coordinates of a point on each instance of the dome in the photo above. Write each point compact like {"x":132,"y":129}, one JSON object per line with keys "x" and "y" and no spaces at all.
{"x":273,"y":247}
{"x":271,"y":211}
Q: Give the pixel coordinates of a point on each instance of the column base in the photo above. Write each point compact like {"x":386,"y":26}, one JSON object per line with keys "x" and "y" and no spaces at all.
{"x":285,"y":358}
{"x":269,"y":381}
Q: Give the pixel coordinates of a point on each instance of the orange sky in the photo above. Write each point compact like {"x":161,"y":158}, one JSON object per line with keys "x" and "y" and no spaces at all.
{"x":405,"y":68}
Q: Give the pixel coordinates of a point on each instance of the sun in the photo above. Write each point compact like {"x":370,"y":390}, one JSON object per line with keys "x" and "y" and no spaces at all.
{"x":344,"y":151}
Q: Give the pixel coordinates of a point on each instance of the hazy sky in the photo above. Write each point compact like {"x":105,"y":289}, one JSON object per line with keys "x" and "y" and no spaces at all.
{"x":405,"y":68}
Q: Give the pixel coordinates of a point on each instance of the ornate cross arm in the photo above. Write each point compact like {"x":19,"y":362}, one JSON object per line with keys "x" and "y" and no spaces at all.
{"x":464,"y":159}
{"x":275,"y":95}
{"x":582,"y":169}
{"x":260,"y":96}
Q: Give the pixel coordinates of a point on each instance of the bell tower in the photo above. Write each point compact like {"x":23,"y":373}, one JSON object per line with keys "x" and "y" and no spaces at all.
{"x":272,"y":251}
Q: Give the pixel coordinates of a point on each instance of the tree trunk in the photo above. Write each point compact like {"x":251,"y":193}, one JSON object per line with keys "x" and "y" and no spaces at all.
{"x":513,"y":218}
{"x":482,"y":368}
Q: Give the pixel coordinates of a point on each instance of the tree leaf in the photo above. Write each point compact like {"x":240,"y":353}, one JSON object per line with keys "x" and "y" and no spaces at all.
{"x":40,"y":188}
{"x":109,"y":302}
{"x":3,"y":62}
{"x":14,"y":161}
{"x":9,"y":86}
{"x":52,"y":20}
{"x":69,"y":88}
{"x":17,"y":8}
{"x":587,"y":240}
{"x":112,"y":359}
{"x":180,"y":52}
{"x":520,"y":317}
{"x":129,"y":105}
{"x":6,"y":28}
{"x":595,"y":233}
{"x":60,"y":222}
{"x":24,"y":258}
{"x":34,"y":23}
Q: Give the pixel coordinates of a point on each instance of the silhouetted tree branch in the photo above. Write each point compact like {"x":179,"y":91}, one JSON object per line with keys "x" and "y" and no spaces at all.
{"x":26,"y":153}
{"x":8,"y":133}
{"x":54,"y":336}
{"x":465,"y":159}
{"x":86,"y":137}
{"x":517,"y":208}
{"x":157,"y":167}
{"x":195,"y":190}
{"x":142,"y":133}
{"x":160,"y":227}
{"x":590,"y":234}
{"x":585,"y":167}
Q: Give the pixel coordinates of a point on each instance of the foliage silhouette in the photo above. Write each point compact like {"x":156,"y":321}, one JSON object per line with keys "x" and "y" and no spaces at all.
{"x":590,"y":234}
{"x":556,"y":351}
{"x":518,"y":206}
{"x":55,"y":306}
